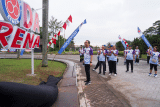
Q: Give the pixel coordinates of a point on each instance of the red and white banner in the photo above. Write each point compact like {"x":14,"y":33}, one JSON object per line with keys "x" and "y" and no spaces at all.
{"x":53,"y":40}
{"x":125,"y":42}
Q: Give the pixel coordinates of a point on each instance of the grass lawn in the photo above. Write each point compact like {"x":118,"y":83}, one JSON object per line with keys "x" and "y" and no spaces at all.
{"x":144,"y":56}
{"x":14,"y":70}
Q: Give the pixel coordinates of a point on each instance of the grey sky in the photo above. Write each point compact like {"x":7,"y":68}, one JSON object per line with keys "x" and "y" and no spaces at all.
{"x":106,"y":19}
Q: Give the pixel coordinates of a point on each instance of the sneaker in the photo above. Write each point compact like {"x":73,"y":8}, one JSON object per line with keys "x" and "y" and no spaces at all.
{"x":149,"y":74}
{"x":88,"y":83}
{"x":155,"y":75}
{"x":115,"y":75}
{"x":94,"y":69}
{"x":110,"y":74}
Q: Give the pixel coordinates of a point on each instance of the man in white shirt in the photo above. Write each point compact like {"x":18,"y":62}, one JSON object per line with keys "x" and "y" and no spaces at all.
{"x":88,"y":56}
{"x":137,"y":53}
{"x":129,"y":58}
{"x":113,"y":60}
{"x":81,"y":53}
{"x":102,"y":57}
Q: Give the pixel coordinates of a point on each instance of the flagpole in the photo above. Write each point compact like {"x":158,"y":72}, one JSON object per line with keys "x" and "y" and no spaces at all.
{"x":64,"y":39}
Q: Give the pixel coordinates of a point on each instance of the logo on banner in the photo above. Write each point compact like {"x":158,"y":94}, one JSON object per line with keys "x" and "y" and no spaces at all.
{"x":12,"y":10}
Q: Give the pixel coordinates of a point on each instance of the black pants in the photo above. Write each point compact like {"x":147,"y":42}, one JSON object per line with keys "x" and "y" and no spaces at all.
{"x":148,"y":58}
{"x":87,"y":69}
{"x":153,"y":65}
{"x":81,"y":58}
{"x":131,"y":62}
{"x":109,"y":64}
{"x":137,"y":60}
{"x":113,"y":67}
{"x":97,"y":65}
{"x":100,"y":65}
{"x":108,"y":60}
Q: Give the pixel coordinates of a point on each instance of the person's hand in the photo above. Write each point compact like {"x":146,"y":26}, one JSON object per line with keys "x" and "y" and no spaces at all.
{"x":90,"y":64}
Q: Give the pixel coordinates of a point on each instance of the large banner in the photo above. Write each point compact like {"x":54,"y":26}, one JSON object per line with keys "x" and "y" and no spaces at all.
{"x":21,"y":22}
{"x":144,"y":38}
{"x":124,"y":45}
{"x":71,"y":37}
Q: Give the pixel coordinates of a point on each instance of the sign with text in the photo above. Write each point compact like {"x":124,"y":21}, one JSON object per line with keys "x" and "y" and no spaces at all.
{"x":17,"y":30}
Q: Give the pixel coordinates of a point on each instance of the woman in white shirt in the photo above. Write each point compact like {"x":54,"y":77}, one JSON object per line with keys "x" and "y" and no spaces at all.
{"x":137,"y":53}
{"x":154,"y":60}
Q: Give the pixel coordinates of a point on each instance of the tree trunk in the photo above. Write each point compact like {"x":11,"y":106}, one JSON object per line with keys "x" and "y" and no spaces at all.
{"x":45,"y":32}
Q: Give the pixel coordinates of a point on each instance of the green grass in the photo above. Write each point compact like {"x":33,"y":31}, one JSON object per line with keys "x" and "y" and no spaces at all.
{"x":14,"y":70}
{"x":144,"y":56}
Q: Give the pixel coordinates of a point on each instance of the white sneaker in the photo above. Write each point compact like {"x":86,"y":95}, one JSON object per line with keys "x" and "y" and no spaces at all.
{"x":155,"y":75}
{"x":110,"y":74}
{"x":115,"y":75}
{"x":105,"y":71}
{"x":94,"y":69}
{"x":149,"y":74}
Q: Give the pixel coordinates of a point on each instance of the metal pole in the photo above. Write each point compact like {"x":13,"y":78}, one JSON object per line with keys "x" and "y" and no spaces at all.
{"x":32,"y":61}
{"x":64,"y":39}
{"x":45,"y":32}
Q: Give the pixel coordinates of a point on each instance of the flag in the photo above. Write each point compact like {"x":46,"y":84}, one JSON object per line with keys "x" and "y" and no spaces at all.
{"x":22,"y":51}
{"x":71,"y":37}
{"x":65,"y":26}
{"x":70,"y":18}
{"x":119,"y":37}
{"x":124,"y":45}
{"x":125,"y":42}
{"x":139,"y":31}
{"x":144,"y":38}
{"x":59,"y":33}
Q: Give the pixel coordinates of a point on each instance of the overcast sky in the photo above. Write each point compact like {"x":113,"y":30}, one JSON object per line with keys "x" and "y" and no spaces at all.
{"x":106,"y":19}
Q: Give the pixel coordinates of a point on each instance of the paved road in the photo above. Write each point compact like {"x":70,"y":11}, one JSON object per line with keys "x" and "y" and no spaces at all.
{"x":140,"y":89}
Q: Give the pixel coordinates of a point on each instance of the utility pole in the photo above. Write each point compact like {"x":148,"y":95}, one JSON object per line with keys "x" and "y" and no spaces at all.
{"x":45,"y":4}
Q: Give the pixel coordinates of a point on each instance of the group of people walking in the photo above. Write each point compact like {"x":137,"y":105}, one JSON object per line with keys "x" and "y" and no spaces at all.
{"x":110,"y":55}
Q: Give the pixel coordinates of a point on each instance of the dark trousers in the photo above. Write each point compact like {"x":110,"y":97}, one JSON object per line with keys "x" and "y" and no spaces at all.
{"x":108,"y":61}
{"x":97,"y":65}
{"x":109,"y":64}
{"x":131,"y":62}
{"x":148,"y":58}
{"x":87,"y":69}
{"x":137,"y":60}
{"x":81,"y":58}
{"x":100,"y":65}
{"x":113,"y":67}
{"x":153,"y":65}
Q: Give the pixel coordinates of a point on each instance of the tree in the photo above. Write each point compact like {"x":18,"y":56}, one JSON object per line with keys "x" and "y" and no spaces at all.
{"x":119,"y":46}
{"x":54,"y":25}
